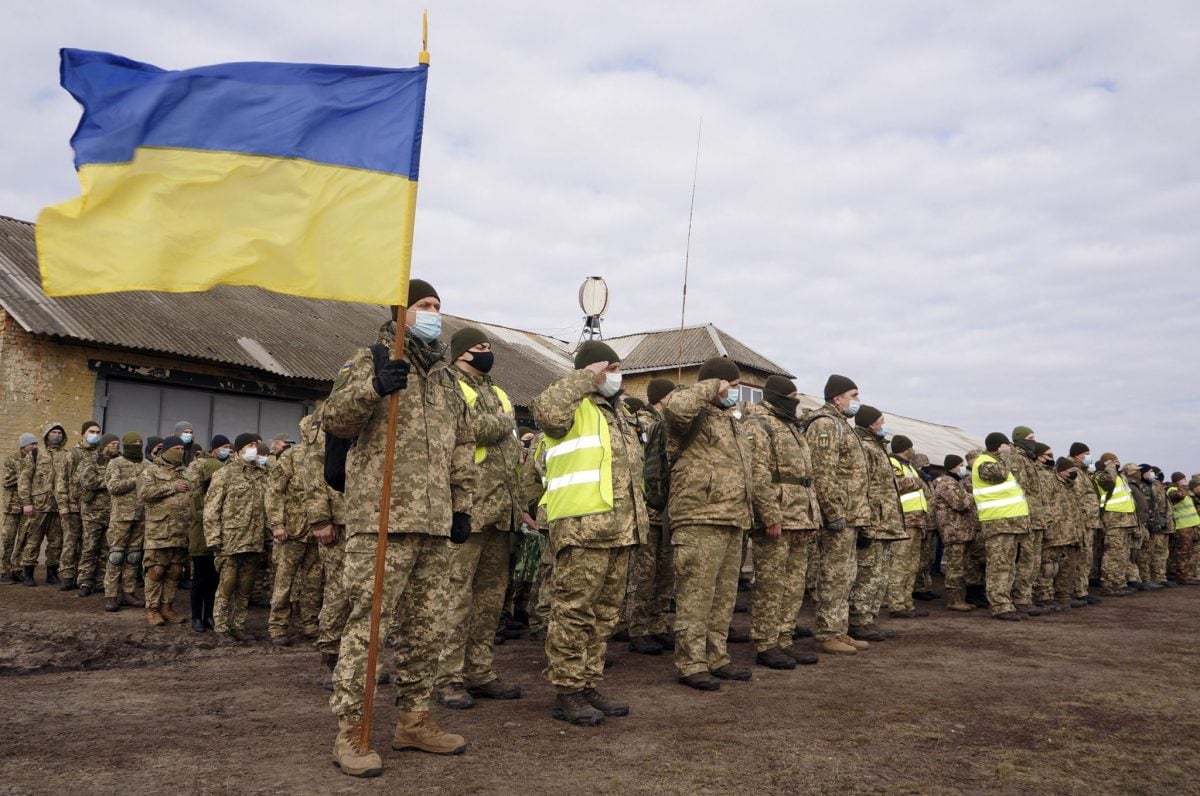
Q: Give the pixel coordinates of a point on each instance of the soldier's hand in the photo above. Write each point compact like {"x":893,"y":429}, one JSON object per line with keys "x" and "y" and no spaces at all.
{"x":64,"y":512}
{"x":181,"y":486}
{"x":530,"y":521}
{"x":723,"y":388}
{"x":279,"y":535}
{"x":774,"y":531}
{"x":460,"y":527}
{"x":597,"y":369}
{"x":324,"y":533}
{"x":836,"y":525}
{"x":27,"y":511}
{"x":392,"y":376}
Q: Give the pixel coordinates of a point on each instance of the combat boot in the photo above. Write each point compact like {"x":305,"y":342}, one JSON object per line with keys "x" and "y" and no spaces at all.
{"x":1009,"y":616}
{"x":128,"y":599}
{"x":737,"y":635}
{"x":169,"y":614}
{"x":802,"y":632}
{"x":801,"y":657}
{"x":836,"y":646}
{"x":775,"y":658}
{"x":645,"y":645}
{"x":857,"y":643}
{"x":419,"y":731}
{"x":347,"y":755}
{"x":866,"y":633}
{"x":574,"y":709}
{"x":955,"y":601}
{"x":154,"y":618}
{"x":667,"y":640}
{"x":454,"y":696}
{"x":731,"y":672}
{"x":86,"y":590}
{"x":52,"y":578}
{"x":606,"y":705}
{"x":1029,"y":610}
{"x":495,"y":689}
{"x":27,"y":577}
{"x":68,"y":584}
{"x":6,"y":578}
{"x":328,"y":664}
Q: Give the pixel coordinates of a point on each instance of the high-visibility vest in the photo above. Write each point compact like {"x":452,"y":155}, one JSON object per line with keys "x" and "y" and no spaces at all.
{"x":910,"y":501}
{"x":579,"y":467}
{"x":1121,"y":499}
{"x":997,"y":501}
{"x":1185,"y":512}
{"x":472,"y":396}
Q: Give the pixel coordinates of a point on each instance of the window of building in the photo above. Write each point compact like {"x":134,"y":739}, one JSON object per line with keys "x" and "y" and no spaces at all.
{"x":751,"y":395}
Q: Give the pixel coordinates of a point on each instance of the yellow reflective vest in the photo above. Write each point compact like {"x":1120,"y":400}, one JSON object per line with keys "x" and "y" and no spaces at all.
{"x":910,"y":501}
{"x":579,"y":467}
{"x":1121,"y":500}
{"x":472,"y":396}
{"x":1185,"y":512}
{"x":997,"y":501}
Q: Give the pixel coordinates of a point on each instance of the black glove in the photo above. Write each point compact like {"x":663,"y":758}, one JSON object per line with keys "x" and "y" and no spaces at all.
{"x":460,"y":527}
{"x":861,"y":541}
{"x":215,"y":549}
{"x":836,"y":525}
{"x":391,"y":376}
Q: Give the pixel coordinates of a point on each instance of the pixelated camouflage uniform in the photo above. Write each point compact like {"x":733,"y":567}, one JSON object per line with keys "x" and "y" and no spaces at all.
{"x":235,"y":527}
{"x":1064,"y":534}
{"x":297,"y":560}
{"x":533,"y":486}
{"x":1152,"y":565}
{"x":324,"y":505}
{"x":1184,"y":539}
{"x":36,"y":487}
{"x":168,"y":514}
{"x":68,"y":493}
{"x":1031,"y":476}
{"x":714,"y":493}
{"x":94,"y":508}
{"x":479,"y":568}
{"x":126,"y":526}
{"x":906,"y":552}
{"x":1119,"y":528}
{"x":10,"y":547}
{"x":1003,"y":539}
{"x":591,"y":552}
{"x":840,"y":472}
{"x":652,"y":566}
{"x":783,"y":463}
{"x":433,"y":476}
{"x":954,"y":510}
{"x":890,"y":526}
{"x":1087,"y":554}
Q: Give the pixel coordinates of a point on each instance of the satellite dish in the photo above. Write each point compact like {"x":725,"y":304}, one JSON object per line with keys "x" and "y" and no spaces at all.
{"x":593,"y":297}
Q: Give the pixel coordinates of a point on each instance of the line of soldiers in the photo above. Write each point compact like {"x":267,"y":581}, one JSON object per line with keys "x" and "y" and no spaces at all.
{"x":593,"y":527}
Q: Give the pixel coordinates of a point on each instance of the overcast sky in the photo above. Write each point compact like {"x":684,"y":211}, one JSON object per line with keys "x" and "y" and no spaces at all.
{"x":987,"y":214}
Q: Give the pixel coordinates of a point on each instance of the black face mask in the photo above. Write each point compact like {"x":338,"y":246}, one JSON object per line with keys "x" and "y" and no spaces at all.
{"x":1073,"y":475}
{"x":787,"y":406}
{"x":482,"y":361}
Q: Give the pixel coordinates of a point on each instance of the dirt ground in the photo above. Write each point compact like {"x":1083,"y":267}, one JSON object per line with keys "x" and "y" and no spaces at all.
{"x":1099,"y":700}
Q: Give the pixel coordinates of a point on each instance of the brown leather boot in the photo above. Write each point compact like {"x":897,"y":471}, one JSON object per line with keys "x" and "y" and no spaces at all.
{"x":858,"y":644}
{"x":154,"y":618}
{"x":955,"y":601}
{"x":418,"y":730}
{"x":349,"y":756}
{"x":836,"y":646}
{"x":168,"y":613}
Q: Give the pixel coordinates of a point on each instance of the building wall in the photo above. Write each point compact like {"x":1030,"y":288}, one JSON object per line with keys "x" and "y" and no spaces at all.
{"x":635,"y":383}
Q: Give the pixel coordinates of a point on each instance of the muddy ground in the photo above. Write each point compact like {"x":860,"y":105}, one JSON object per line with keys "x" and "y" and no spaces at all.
{"x":1100,"y":700}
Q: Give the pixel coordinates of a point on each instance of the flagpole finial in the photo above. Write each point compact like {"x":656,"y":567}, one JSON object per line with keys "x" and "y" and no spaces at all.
{"x":423,"y":56}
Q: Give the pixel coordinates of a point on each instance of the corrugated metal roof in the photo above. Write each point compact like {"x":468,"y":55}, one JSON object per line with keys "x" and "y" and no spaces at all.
{"x":661,"y":350}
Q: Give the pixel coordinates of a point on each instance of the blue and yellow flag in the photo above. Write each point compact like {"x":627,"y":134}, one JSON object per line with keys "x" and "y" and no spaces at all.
{"x":298,"y":178}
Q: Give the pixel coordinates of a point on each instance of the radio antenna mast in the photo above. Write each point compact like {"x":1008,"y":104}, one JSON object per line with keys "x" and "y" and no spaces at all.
{"x":687,"y":251}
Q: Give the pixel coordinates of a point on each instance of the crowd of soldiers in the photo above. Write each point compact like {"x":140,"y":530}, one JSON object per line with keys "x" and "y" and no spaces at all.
{"x":610,"y":519}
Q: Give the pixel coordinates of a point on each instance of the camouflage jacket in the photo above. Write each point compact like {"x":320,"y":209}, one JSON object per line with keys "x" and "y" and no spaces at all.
{"x":322,"y":503}
{"x":839,"y":467}
{"x":913,"y":520}
{"x":496,"y":501}
{"x":36,"y":483}
{"x":1160,"y":510}
{"x":888,"y":520}
{"x":434,"y":473}
{"x":286,"y":490}
{"x":954,"y":509}
{"x":1025,"y":470}
{"x":1064,"y":515}
{"x":628,"y":522}
{"x":1106,"y":481}
{"x":533,"y":480}
{"x":1088,"y":500}
{"x":168,"y":511}
{"x":66,"y":480}
{"x":235,"y":509}
{"x":201,"y":472}
{"x":648,"y":417}
{"x":12,"y":472}
{"x":94,"y":500}
{"x":713,"y":481}
{"x":782,"y":462}
{"x":120,"y":476}
{"x":997,"y":472}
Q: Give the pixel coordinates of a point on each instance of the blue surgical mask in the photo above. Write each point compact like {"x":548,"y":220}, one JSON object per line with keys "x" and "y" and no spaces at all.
{"x":428,"y":326}
{"x":223,"y":453}
{"x":262,"y":460}
{"x":852,"y":409}
{"x":729,"y":401}
{"x":92,"y":439}
{"x":1151,"y":477}
{"x":250,"y":455}
{"x":611,"y":385}
{"x":186,"y":437}
{"x":1089,"y":460}
{"x":962,"y":471}
{"x":882,"y":432}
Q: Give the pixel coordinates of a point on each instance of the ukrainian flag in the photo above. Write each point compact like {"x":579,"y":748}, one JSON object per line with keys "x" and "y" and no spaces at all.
{"x":298,"y":178}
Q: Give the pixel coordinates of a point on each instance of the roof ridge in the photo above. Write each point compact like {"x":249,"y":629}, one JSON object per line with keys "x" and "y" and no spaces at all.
{"x":716,"y":340}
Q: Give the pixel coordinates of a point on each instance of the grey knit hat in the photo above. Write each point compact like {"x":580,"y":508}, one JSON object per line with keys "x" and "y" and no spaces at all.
{"x":27,"y":439}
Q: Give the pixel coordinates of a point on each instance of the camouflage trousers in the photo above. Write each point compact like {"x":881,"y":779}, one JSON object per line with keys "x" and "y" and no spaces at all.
{"x":43,"y":526}
{"x":334,"y":606}
{"x":163,"y":567}
{"x":929,"y":544}
{"x":125,"y":539}
{"x":874,"y":571}
{"x":1137,"y":538}
{"x":1114,"y":562}
{"x":902,"y":574}
{"x":237,"y":574}
{"x":1057,"y":579}
{"x":708,"y":560}
{"x":834,"y":580}
{"x":539,"y":592}
{"x":1003,"y":552}
{"x":1152,"y":565}
{"x":651,"y":584}
{"x":479,"y":576}
{"x":298,"y":581}
{"x":780,"y":568}
{"x":9,"y":542}
{"x":1097,"y":553}
{"x":954,"y":567}
{"x":975,"y":563}
{"x":587,"y":588}
{"x":91,"y":550}
{"x":1029,"y":567}
{"x":415,"y":590}
{"x":1181,"y":554}
{"x":1083,"y":569}
{"x":72,"y":544}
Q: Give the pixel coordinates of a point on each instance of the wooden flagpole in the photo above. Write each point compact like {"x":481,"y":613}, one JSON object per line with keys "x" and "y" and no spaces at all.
{"x":385,"y":498}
